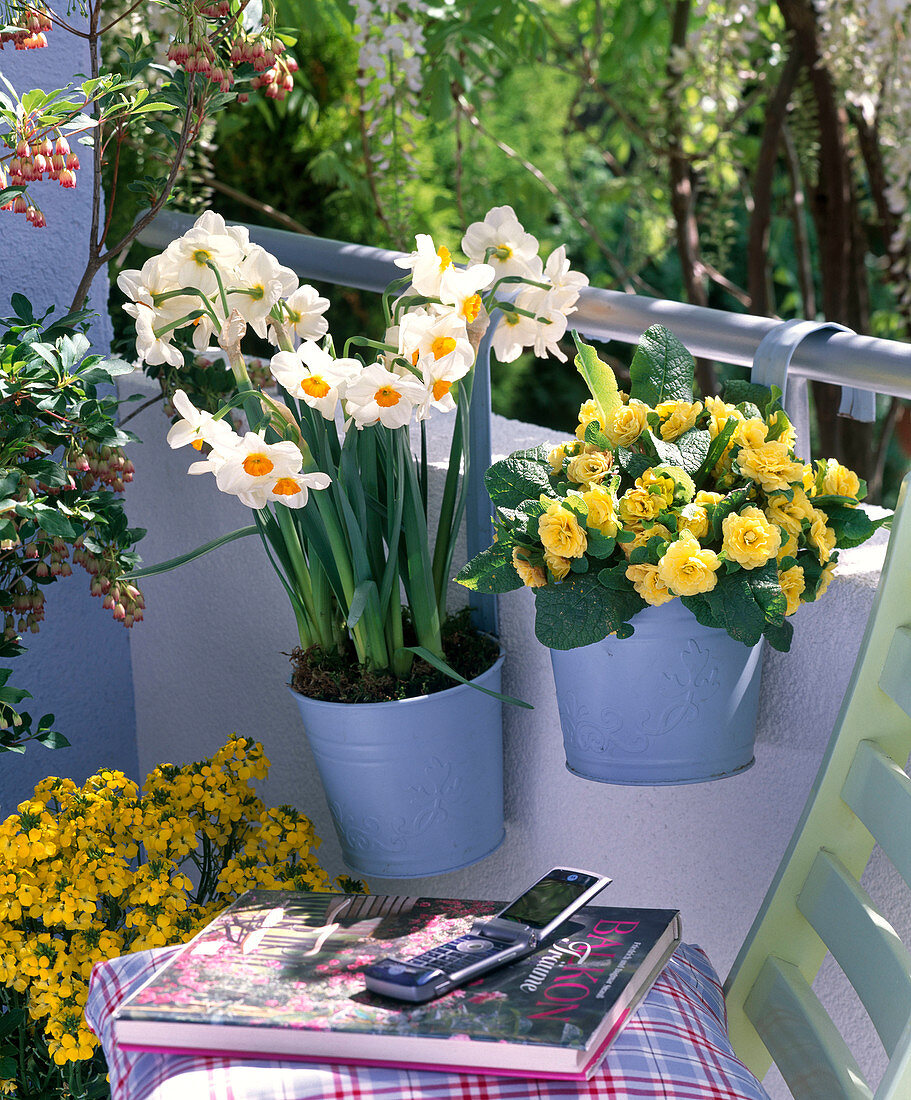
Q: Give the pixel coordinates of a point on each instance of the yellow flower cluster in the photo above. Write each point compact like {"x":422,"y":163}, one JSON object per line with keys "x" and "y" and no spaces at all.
{"x":666,"y":528}
{"x":89,"y":872}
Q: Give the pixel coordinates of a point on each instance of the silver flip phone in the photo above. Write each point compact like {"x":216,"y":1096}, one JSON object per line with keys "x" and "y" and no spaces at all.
{"x":516,"y":930}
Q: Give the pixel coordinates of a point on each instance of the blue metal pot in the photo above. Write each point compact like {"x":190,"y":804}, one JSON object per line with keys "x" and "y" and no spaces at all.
{"x":674,"y":703}
{"x":415,"y":787}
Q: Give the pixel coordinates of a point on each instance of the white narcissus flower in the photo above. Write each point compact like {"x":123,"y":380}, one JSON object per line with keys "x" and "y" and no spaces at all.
{"x":549,"y":320}
{"x":251,"y":467}
{"x":514,"y":250}
{"x":257,"y":284}
{"x":459,"y":288}
{"x":512,"y":334}
{"x":436,"y":335}
{"x":427,"y":265}
{"x":303,"y":313}
{"x":292,"y":490}
{"x":565,"y":283}
{"x":313,"y":376}
{"x":379,"y":395}
{"x":149,"y":347}
{"x":197,"y":426}
{"x":192,"y":253}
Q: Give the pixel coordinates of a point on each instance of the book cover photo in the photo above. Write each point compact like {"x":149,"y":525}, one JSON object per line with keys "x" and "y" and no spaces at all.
{"x":281,"y":974}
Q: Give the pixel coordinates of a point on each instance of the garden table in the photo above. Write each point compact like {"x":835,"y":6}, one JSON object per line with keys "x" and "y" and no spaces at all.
{"x":675,"y":1047}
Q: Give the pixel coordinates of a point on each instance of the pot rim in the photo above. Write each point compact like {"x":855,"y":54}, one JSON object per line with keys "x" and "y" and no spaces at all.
{"x":412,"y":699}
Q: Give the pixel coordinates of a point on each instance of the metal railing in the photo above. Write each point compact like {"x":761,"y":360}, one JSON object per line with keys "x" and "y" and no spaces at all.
{"x":844,"y":358}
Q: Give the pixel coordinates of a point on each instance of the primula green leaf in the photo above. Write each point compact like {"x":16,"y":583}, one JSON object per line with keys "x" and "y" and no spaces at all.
{"x":514,"y":480}
{"x":688,"y":451}
{"x":662,"y":369}
{"x":715,"y":451}
{"x":736,"y":390}
{"x":733,"y":604}
{"x":491,"y":571}
{"x":702,"y":611}
{"x":767,"y":592}
{"x":598,"y":376}
{"x":779,"y":635}
{"x":581,"y":611}
{"x":723,"y":508}
{"x":596,"y":437}
{"x":852,"y":526}
{"x":633,"y":463}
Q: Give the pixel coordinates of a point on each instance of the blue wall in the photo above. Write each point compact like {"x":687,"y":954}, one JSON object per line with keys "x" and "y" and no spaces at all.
{"x":78,"y":667}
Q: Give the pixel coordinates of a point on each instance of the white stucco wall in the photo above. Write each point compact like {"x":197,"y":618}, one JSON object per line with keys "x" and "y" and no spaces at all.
{"x":78,"y":666}
{"x":209,"y":659}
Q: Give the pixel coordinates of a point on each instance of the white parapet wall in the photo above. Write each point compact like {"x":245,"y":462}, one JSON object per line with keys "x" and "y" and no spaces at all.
{"x":210,"y":659}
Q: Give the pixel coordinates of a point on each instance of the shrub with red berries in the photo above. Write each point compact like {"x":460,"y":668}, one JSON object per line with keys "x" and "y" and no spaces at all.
{"x":62,"y":470}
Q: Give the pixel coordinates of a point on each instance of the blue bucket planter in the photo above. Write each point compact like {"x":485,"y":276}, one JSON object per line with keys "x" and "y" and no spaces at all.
{"x":675,"y":703}
{"x":415,"y":787}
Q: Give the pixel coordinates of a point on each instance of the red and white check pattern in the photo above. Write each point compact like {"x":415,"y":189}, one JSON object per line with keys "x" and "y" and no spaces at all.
{"x":674,"y":1048}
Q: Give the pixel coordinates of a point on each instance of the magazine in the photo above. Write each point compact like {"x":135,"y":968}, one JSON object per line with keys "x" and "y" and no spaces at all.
{"x":280,"y":974}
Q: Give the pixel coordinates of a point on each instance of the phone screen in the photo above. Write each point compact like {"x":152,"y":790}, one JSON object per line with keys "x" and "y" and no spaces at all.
{"x":547,"y":898}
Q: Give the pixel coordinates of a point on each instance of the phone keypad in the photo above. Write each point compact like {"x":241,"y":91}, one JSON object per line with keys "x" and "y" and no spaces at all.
{"x":457,"y":954}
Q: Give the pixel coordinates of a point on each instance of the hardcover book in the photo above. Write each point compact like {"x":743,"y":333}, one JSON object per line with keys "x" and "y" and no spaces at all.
{"x":280,"y":974}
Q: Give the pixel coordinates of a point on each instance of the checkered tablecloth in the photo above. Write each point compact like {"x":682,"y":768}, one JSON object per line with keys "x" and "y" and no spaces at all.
{"x":674,"y":1048}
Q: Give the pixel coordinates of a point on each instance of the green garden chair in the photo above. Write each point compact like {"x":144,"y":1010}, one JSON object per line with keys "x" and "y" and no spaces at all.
{"x":861,"y":797}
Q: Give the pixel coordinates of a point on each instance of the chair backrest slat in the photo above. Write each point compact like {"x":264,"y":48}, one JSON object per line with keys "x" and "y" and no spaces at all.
{"x":895,"y":679}
{"x":806,"y":1046}
{"x":879,"y":792}
{"x":863,"y":943}
{"x":852,"y":777}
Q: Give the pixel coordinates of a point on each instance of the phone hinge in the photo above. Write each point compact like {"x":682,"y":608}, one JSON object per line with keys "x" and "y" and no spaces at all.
{"x":505,"y":931}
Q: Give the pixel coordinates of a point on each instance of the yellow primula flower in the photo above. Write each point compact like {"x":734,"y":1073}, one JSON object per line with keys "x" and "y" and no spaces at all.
{"x":555,"y":457}
{"x":558,"y":566}
{"x":792,"y":583}
{"x":638,"y":505}
{"x":642,"y":535}
{"x":626,"y":423}
{"x":677,"y":417}
{"x":749,"y":538}
{"x":706,"y":496}
{"x":648,"y":584}
{"x":751,"y":433}
{"x":659,"y":483}
{"x":561,"y":533}
{"x":695,"y":519}
{"x":602,"y":511}
{"x":589,"y":413}
{"x":719,"y":413}
{"x":821,"y":537}
{"x":825,"y":580}
{"x":532,"y":576}
{"x":790,"y":514}
{"x":589,"y":468}
{"x":839,"y":480}
{"x":770,"y":465}
{"x":687,"y":569}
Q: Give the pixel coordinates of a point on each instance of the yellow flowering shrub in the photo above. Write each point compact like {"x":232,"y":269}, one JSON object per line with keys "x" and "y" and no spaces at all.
{"x":93,"y":871}
{"x":661,"y":496}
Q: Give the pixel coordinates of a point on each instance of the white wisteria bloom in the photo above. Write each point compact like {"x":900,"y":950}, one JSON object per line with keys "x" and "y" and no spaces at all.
{"x":427,"y":265}
{"x":379,"y":395}
{"x":459,"y":288}
{"x":258,"y":283}
{"x":513,"y":250}
{"x":313,"y":376}
{"x":436,"y":335}
{"x":303,"y":314}
{"x":198,"y":427}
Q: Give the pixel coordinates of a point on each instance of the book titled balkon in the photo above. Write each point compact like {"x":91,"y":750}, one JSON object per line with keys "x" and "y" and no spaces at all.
{"x":280,"y":974}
